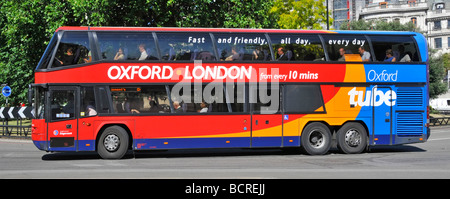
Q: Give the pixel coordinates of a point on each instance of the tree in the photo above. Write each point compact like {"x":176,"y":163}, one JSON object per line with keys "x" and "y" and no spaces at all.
{"x":378,"y":25}
{"x":27,"y":26}
{"x":437,"y":73}
{"x":305,"y":14}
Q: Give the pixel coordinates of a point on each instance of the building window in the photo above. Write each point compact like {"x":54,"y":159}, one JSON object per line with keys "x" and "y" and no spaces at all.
{"x":412,"y":3}
{"x":448,"y":41}
{"x":383,"y":4}
{"x":437,"y":25}
{"x":414,"y":21}
{"x":438,"y":43}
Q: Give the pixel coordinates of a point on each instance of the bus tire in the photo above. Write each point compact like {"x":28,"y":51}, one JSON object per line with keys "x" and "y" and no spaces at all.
{"x":316,"y":139}
{"x":351,"y":138}
{"x":113,"y":143}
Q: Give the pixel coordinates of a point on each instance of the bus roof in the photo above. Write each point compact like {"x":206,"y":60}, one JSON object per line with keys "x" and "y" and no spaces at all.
{"x":240,"y":30}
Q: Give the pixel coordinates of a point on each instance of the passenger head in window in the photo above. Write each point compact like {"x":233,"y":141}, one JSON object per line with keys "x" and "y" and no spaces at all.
{"x":90,"y":110}
{"x":204,"y":107}
{"x":404,"y":57}
{"x":177,"y":107}
{"x":144,"y":54}
{"x":234,"y":54}
{"x":389,"y":56}
{"x":67,"y":58}
{"x":342,"y":53}
{"x":258,"y":54}
{"x":365,"y":56}
{"x":119,"y":55}
{"x":281,"y":55}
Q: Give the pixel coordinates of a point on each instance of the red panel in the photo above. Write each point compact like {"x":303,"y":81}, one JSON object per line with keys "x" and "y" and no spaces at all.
{"x":187,"y":72}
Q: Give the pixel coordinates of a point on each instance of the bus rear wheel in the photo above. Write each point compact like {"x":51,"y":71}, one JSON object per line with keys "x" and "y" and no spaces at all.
{"x":113,"y":143}
{"x":352,"y":138}
{"x":316,"y":139}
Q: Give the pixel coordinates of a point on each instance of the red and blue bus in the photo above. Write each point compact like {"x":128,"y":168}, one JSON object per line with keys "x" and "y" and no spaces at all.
{"x":114,"y":89}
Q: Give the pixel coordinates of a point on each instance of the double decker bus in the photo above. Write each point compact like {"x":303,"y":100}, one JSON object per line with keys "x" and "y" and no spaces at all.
{"x":114,"y":89}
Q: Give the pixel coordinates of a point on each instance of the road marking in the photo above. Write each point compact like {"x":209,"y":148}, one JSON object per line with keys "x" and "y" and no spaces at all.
{"x":439,"y":139}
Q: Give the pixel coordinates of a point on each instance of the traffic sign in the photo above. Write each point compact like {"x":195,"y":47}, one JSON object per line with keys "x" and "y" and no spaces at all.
{"x":6,"y":91}
{"x":16,"y":112}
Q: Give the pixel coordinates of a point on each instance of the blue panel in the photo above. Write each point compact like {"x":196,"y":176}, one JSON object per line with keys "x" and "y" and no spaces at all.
{"x":181,"y":143}
{"x":381,"y":73}
{"x":266,"y":142}
{"x":287,"y":141}
{"x":86,"y":145}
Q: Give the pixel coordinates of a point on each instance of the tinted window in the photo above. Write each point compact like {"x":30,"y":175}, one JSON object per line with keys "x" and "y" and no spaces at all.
{"x":186,"y":46}
{"x":265,"y":98}
{"x":238,"y":47}
{"x":296,"y":47}
{"x":73,"y":49}
{"x":62,"y":104}
{"x":303,"y":99}
{"x":45,"y":60}
{"x":127,"y":46}
{"x":403,"y":48}
{"x":140,"y":99}
{"x":347,"y":47}
{"x":200,"y":99}
{"x":88,"y":107}
{"x":236,"y":97}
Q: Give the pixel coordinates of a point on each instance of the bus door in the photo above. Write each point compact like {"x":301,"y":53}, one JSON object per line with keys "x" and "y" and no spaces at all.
{"x":62,"y":118}
{"x":382,"y":115}
{"x":267,"y":125}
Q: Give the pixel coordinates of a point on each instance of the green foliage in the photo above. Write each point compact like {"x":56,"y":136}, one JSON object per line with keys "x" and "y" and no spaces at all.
{"x":27,"y":26}
{"x":378,"y":25}
{"x":437,"y":73}
{"x":305,"y":14}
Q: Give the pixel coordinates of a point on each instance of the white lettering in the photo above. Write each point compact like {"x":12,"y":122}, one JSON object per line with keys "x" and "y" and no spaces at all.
{"x":117,"y":69}
{"x":378,"y":99}
{"x":143,"y":72}
{"x":166,"y":72}
{"x":382,"y":77}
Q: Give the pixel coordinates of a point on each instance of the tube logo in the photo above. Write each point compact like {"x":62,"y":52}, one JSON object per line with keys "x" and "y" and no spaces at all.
{"x":357,"y":98}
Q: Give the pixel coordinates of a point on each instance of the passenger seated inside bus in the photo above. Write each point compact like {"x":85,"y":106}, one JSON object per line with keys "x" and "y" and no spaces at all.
{"x":404,"y":57}
{"x":389,"y":56}
{"x":90,"y":111}
{"x":234,"y":55}
{"x":365,"y":56}
{"x":66,"y":59}
{"x":177,"y":108}
{"x":342,"y":53}
{"x":119,"y":55}
{"x":204,"y":107}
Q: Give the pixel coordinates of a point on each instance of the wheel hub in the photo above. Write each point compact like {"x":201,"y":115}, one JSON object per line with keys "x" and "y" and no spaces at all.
{"x":111,"y":142}
{"x":353,"y":138}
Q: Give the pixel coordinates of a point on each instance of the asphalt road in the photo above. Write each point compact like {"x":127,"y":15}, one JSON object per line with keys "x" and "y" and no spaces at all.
{"x":20,"y":159}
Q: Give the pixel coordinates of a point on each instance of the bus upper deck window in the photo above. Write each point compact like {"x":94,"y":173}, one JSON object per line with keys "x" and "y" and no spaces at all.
{"x":240,"y":46}
{"x":73,"y":49}
{"x":119,"y":46}
{"x":403,"y":48}
{"x":349,"y":48}
{"x":186,"y":46}
{"x":297,"y":47}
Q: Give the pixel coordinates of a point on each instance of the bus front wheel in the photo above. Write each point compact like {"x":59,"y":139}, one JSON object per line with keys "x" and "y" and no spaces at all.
{"x":113,"y":143}
{"x":316,"y":139}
